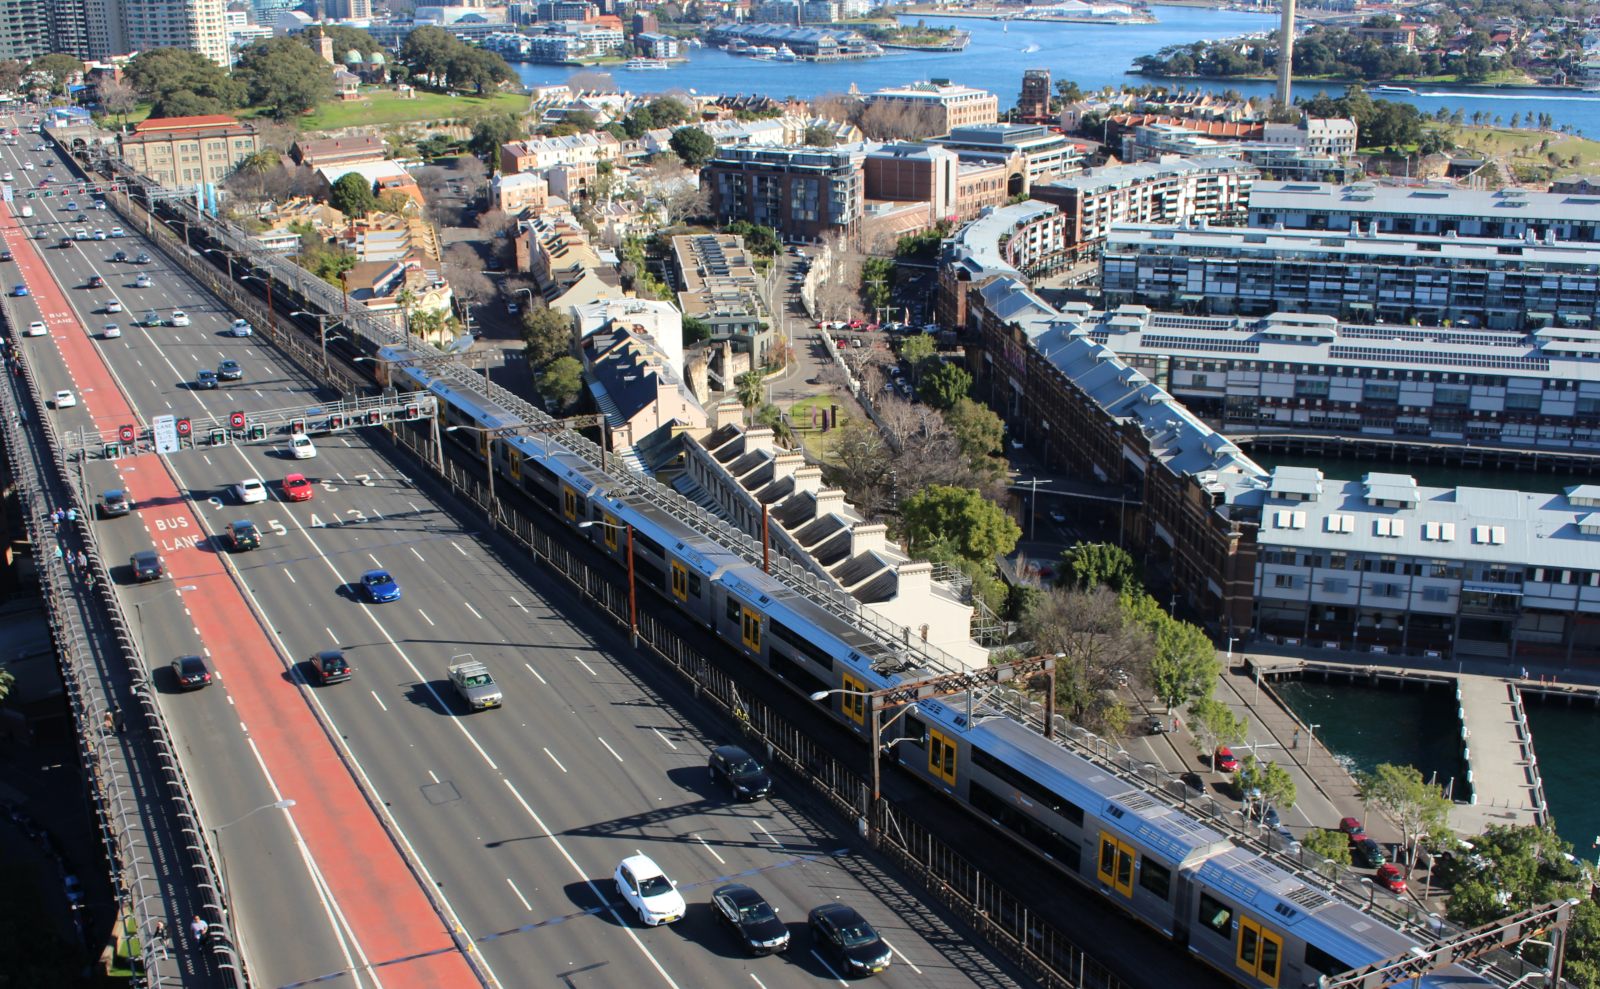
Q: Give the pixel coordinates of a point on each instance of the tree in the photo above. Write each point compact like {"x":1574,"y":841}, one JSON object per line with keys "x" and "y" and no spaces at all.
{"x":748,"y":387}
{"x":877,"y":282}
{"x":693,"y":146}
{"x":762,"y":240}
{"x":818,"y":136}
{"x":1214,"y":723}
{"x":979,"y":434}
{"x":1411,"y":804}
{"x":490,"y":132}
{"x":11,"y":72}
{"x":61,"y":69}
{"x":115,"y":96}
{"x":1087,"y":566}
{"x":468,"y":67}
{"x":859,"y":462}
{"x":917,"y":351}
{"x":948,"y":522}
{"x":1096,"y":644}
{"x":1268,"y":783}
{"x":548,"y":334}
{"x":695,"y":330}
{"x":1333,"y":846}
{"x":426,"y":53}
{"x":284,"y":76}
{"x":944,"y":385}
{"x":1184,"y":667}
{"x":771,"y":417}
{"x":1511,"y":869}
{"x":352,"y":195}
{"x":563,"y":380}
{"x":179,"y":82}
{"x":474,"y":175}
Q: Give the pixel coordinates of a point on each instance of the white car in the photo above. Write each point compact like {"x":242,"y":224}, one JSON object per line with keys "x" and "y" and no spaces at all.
{"x":99,"y":204}
{"x":116,"y":231}
{"x":36,"y":329}
{"x":648,"y":890}
{"x":27,"y":166}
{"x":8,"y":177}
{"x":111,"y":332}
{"x":113,"y":305}
{"x":241,"y":328}
{"x":250,"y":491}
{"x":180,"y":318}
{"x":301,"y":447}
{"x":99,"y":235}
{"x":65,"y":400}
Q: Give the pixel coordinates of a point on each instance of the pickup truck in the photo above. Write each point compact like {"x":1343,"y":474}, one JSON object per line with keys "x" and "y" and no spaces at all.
{"x":474,"y":683}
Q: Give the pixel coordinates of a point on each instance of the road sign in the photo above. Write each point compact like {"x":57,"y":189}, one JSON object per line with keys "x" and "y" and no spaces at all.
{"x":185,"y":427}
{"x":125,"y":434}
{"x":165,"y":429}
{"x":236,"y":420}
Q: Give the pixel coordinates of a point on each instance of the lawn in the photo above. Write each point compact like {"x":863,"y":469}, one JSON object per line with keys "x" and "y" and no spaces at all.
{"x":1522,"y":146}
{"x":817,"y":443}
{"x":382,"y":106}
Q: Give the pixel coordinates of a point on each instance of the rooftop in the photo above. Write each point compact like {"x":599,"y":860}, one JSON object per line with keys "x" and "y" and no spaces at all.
{"x":1111,"y":177}
{"x":1369,"y":197}
{"x":1405,"y":249}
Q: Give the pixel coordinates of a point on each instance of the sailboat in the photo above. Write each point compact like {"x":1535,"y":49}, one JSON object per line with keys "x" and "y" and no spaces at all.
{"x":1030,"y":49}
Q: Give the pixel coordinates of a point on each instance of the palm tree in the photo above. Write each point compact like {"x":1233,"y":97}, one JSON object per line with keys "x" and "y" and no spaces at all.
{"x":748,"y":386}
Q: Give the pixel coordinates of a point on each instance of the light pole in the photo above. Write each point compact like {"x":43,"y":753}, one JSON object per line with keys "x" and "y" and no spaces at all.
{"x":266,"y":280}
{"x":633,"y":597}
{"x":878,"y":725}
{"x":529,"y":293}
{"x":1231,"y":640}
{"x":216,"y":838}
{"x":488,"y":456}
{"x":1311,"y":746}
{"x":322,"y":331}
{"x":227,"y":254}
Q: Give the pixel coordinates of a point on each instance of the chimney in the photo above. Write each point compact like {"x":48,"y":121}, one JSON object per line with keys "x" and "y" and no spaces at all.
{"x":866,"y":538}
{"x":728,"y":414}
{"x":808,"y":480}
{"x":913,"y":578}
{"x":830,"y":500}
{"x":785,"y":464}
{"x":758,"y":439}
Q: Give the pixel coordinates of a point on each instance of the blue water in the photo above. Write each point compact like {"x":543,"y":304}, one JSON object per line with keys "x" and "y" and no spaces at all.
{"x":1092,"y":55}
{"x":1563,"y":738}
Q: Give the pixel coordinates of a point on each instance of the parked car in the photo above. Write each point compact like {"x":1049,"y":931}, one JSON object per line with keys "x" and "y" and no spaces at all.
{"x":1352,"y":827}
{"x":1366,"y":852}
{"x":1224,"y":761}
{"x":1390,"y":878}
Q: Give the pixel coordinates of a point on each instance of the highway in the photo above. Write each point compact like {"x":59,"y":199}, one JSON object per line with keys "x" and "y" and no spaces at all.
{"x":513,"y":820}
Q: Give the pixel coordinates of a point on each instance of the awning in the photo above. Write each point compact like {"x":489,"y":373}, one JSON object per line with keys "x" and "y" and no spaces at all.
{"x":1470,"y":587}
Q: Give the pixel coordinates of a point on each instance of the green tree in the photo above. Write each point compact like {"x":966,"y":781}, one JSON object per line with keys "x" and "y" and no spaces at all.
{"x":1090,"y":565}
{"x":771,"y":416}
{"x":562,"y":380}
{"x":818,"y":136}
{"x":548,"y":334}
{"x":1184,"y":666}
{"x":1411,"y":804}
{"x":1512,"y":868}
{"x":1214,"y":723}
{"x":948,"y":522}
{"x":695,"y":330}
{"x":693,"y":145}
{"x":1331,"y":845}
{"x":352,"y":195}
{"x":179,"y":82}
{"x":980,"y":434}
{"x":917,"y":351}
{"x":877,"y":282}
{"x":61,"y":69}
{"x":468,"y":67}
{"x":488,"y":133}
{"x":761,"y":240}
{"x":1268,"y":783}
{"x":284,"y":76}
{"x":351,"y":38}
{"x":943,"y":386}
{"x":748,"y":387}
{"x":426,"y":53}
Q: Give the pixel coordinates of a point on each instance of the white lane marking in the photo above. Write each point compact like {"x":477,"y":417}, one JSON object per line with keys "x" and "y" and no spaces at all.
{"x":586,"y":666}
{"x":291,"y":577}
{"x":414,"y":509}
{"x":536,"y":674}
{"x":379,"y":700}
{"x":378,"y":516}
{"x":433,"y":776}
{"x":469,"y":607}
{"x":900,"y":956}
{"x":608,"y":747}
{"x":425,"y":617}
{"x":458,"y":548}
{"x":768,"y":834}
{"x":710,"y":851}
{"x":522,"y":606}
{"x":206,"y":459}
{"x":757,"y":981}
{"x":553,"y":759}
{"x":333,"y":638}
{"x":523,"y":899}
{"x":414,"y":553}
{"x":825,"y":965}
{"x":664,"y":738}
{"x":624,"y":925}
{"x":374,"y":560}
{"x":342,"y":931}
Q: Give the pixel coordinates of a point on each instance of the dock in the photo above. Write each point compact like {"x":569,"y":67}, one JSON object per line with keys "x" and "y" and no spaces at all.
{"x":1503,"y":785}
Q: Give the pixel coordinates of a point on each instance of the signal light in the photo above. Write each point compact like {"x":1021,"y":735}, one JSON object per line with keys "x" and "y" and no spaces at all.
{"x":374,"y":417}
{"x":335,"y":423}
{"x":217,"y":437}
{"x":410,"y":412}
{"x":258,"y":431}
{"x":297,"y":427}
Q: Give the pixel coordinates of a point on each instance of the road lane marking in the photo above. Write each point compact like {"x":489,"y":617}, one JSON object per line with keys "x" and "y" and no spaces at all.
{"x":414,"y":553}
{"x":664,"y":738}
{"x":757,"y":981}
{"x":536,"y":674}
{"x":900,"y":956}
{"x":521,"y":605}
{"x":553,"y":759}
{"x":379,"y":700}
{"x":333,"y":638}
{"x":825,"y":965}
{"x":374,"y":560}
{"x":523,"y":899}
{"x":586,"y":666}
{"x":710,"y":851}
{"x":608,"y":747}
{"x":286,"y":573}
{"x":764,"y":831}
{"x":474,"y":611}
{"x":425,"y":617}
{"x":458,"y":548}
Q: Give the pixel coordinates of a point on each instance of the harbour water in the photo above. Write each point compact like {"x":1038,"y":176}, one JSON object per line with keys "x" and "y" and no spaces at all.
{"x":1092,"y":55}
{"x":1563,"y":738}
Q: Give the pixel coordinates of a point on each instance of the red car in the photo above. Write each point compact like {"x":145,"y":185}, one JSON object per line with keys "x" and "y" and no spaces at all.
{"x":1388,"y":876}
{"x":1352,"y":827}
{"x":297,"y":488}
{"x":1223,"y":760}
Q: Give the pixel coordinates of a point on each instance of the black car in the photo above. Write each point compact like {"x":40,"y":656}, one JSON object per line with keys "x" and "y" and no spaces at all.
{"x":5,"y":255}
{"x":752,"y":918}
{"x":120,"y":256}
{"x":191,"y":672}
{"x":115,"y":502}
{"x":95,"y":281}
{"x":143,"y":258}
{"x":1366,"y":852}
{"x":146,"y":566}
{"x":205,"y":378}
{"x":739,"y":772}
{"x":839,"y":931}
{"x":330,"y":666}
{"x":243,"y":535}
{"x":230,"y":371}
{"x":64,"y":242}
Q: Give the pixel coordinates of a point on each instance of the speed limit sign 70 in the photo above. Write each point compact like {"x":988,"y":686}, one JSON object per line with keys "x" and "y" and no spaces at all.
{"x":125,"y":434}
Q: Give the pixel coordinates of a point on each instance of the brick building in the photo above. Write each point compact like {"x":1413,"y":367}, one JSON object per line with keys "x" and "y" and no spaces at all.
{"x":182,"y":151}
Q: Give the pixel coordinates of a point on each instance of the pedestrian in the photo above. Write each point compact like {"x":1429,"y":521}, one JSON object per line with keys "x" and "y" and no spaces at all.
{"x":1524,"y":673}
{"x":109,"y":723}
{"x":72,"y":516}
{"x":161,"y":930}
{"x":1296,"y":738}
{"x":83,"y":562}
{"x":60,"y":555}
{"x":198,"y":927}
{"x":55,"y":519}
{"x":117,"y":723}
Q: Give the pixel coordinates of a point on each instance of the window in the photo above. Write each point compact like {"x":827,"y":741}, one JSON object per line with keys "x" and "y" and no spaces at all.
{"x":1283,"y":580}
{"x":1436,"y":595}
{"x":1029,"y":789}
{"x":1216,"y":916}
{"x":1010,"y":817}
{"x":1155,"y":877}
{"x":1321,"y":961}
{"x":799,"y":643}
{"x":1336,"y":585}
{"x":942,"y":756}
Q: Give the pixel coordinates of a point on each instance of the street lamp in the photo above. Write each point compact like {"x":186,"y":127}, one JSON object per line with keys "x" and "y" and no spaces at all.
{"x":633,"y":597}
{"x":216,"y":837}
{"x":529,"y":293}
{"x":322,"y":331}
{"x":266,"y":280}
{"x":226,"y":254}
{"x":488,"y":456}
{"x":878,"y":726}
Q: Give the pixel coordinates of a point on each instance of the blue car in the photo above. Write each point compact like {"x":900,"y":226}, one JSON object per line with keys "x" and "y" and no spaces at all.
{"x":379,"y":586}
{"x":20,"y":291}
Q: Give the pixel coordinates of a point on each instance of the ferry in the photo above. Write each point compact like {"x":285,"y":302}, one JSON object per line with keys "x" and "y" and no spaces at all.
{"x":1392,"y":90}
{"x":785,"y":54}
{"x":763,"y":51}
{"x":645,"y":64}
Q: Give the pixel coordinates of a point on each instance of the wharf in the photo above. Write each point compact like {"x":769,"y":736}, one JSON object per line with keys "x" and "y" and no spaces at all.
{"x":1496,"y":743}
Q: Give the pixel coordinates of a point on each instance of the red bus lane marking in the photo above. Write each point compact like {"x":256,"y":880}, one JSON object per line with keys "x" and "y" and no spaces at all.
{"x":375,"y":889}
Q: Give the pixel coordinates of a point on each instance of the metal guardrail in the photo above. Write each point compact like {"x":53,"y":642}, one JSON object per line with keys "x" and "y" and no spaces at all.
{"x":160,"y":859}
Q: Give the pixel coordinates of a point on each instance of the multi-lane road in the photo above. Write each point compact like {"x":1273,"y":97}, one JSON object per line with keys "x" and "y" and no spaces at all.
{"x":503,"y":828}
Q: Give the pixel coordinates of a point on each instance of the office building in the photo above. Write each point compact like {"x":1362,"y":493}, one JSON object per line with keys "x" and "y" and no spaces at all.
{"x":1428,"y":210}
{"x":810,"y":193}
{"x":946,"y":104}
{"x":1023,"y":239}
{"x":1173,"y":191}
{"x":1336,"y":136}
{"x":1032,"y":153}
{"x":194,"y":25}
{"x":1033,"y":105}
{"x":348,"y":10}
{"x":1498,"y":283}
{"x":954,"y":189}
{"x":179,"y":152}
{"x":717,"y":283}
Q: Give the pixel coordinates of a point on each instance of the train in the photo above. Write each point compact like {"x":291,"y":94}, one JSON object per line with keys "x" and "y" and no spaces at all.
{"x":1231,"y":906}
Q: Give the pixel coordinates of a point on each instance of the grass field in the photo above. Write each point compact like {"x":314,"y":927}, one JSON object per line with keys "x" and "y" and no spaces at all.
{"x":817,"y":443}
{"x":1572,"y":155}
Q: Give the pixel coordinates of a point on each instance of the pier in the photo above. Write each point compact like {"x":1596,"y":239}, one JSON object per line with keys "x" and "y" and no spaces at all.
{"x":1503,"y":785}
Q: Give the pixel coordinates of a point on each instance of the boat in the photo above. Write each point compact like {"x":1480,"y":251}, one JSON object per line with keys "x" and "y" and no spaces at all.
{"x":1030,"y":49}
{"x":763,"y":51}
{"x":1393,"y":90}
{"x":785,"y":54}
{"x":645,"y":64}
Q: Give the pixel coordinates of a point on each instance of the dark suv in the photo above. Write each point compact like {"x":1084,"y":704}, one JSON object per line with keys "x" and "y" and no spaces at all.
{"x":146,"y":566}
{"x":330,"y":667}
{"x":739,"y":772}
{"x":115,"y":502}
{"x":243,"y":535}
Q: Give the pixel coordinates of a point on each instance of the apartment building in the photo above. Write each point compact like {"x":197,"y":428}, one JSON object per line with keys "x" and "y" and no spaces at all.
{"x":541,"y":153}
{"x":918,"y":173}
{"x":24,"y":29}
{"x":193,"y":25}
{"x":637,"y":387}
{"x":356,"y":149}
{"x":717,"y":283}
{"x":1033,"y":153}
{"x":569,"y":270}
{"x":1033,"y":104}
{"x":519,"y":191}
{"x":1154,"y":192}
{"x":1498,"y":283}
{"x":182,"y":151}
{"x":1024,"y":239}
{"x":1426,"y":210}
{"x":947,"y":105}
{"x":809,"y":193}
{"x":1336,"y":136}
